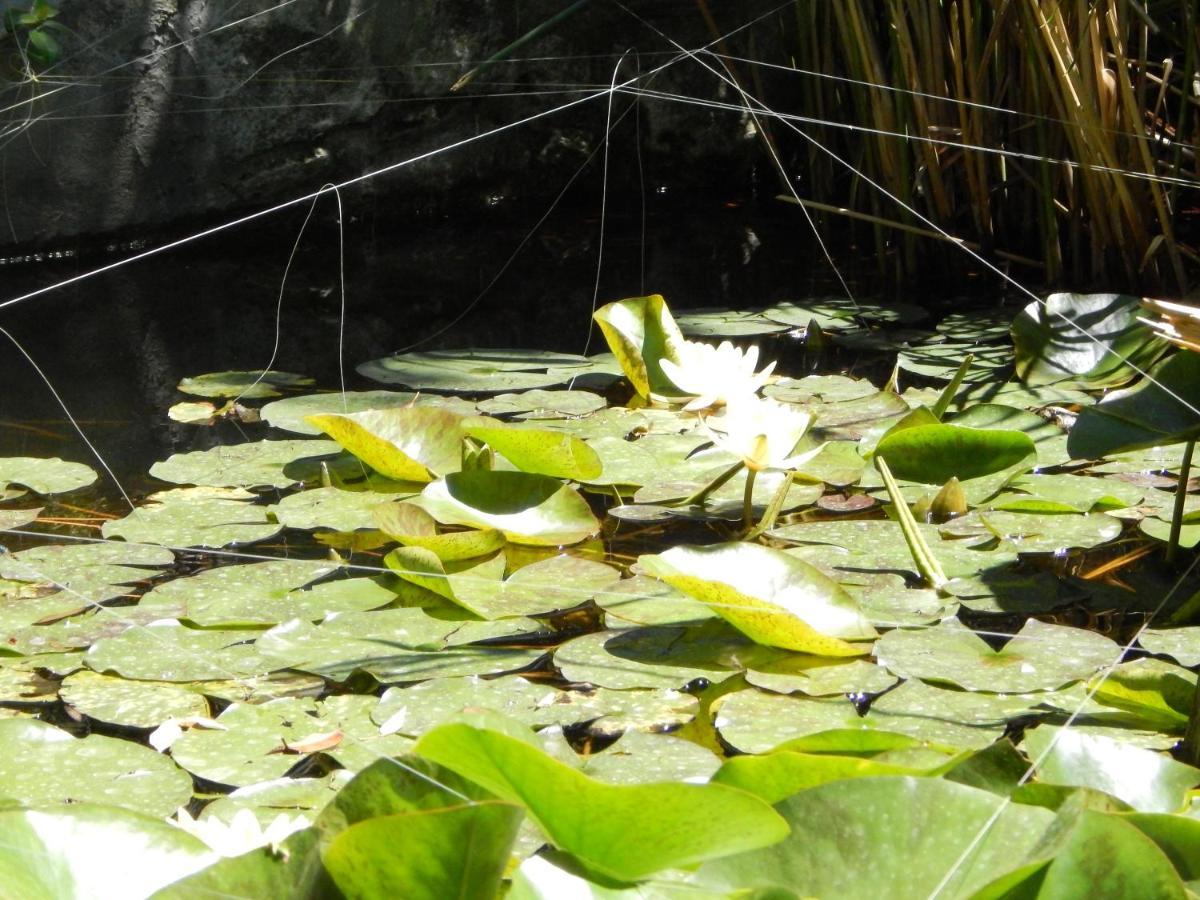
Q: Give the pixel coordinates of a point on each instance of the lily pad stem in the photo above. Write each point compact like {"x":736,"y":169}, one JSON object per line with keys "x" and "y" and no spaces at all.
{"x":1180,"y":496}
{"x":927,"y":565}
{"x":947,"y":395}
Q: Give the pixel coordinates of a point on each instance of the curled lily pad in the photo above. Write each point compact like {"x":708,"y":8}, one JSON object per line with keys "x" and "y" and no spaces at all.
{"x":1039,"y":657}
{"x":255,"y":464}
{"x":249,"y":385}
{"x":483,"y":371}
{"x":1093,"y":340}
{"x":195,"y":517}
{"x":412,"y":526}
{"x":641,"y":332}
{"x":772,"y":597}
{"x":415,"y":443}
{"x":42,"y":764}
{"x":537,"y":449}
{"x":527,"y":508}
{"x":46,"y":476}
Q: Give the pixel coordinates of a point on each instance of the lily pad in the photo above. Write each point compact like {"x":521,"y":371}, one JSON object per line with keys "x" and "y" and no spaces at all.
{"x":768,"y":595}
{"x":42,"y":764}
{"x":933,"y":454}
{"x":1039,"y":657}
{"x":726,"y":323}
{"x":167,"y":651}
{"x":816,"y":678}
{"x":334,"y":508}
{"x":46,"y":476}
{"x":248,"y":385}
{"x":1035,"y":532}
{"x":560,"y":582}
{"x":264,"y":593}
{"x":832,"y":313}
{"x":642,"y":600}
{"x":416,"y":709}
{"x":540,"y":404}
{"x":134,"y":704}
{"x":415,"y":443}
{"x":18,"y":518}
{"x":641,"y":332}
{"x":479,"y":371}
{"x":917,"y":829}
{"x":1093,"y":340}
{"x":527,"y":508}
{"x":195,"y":517}
{"x":1181,"y":644}
{"x":93,"y":570}
{"x":624,"y":831}
{"x":1147,"y":781}
{"x":290,"y":413}
{"x":1068,"y":493}
{"x":538,"y":450}
{"x":256,"y":464}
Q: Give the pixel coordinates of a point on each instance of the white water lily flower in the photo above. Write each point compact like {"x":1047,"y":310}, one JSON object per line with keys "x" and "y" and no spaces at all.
{"x":764,"y":433}
{"x":242,"y":833}
{"x":715,"y":374}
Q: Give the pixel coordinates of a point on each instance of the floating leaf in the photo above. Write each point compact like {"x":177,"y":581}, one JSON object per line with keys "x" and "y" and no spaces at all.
{"x":528,"y":508}
{"x":773,"y":598}
{"x":1181,"y":644}
{"x":412,"y":526}
{"x":479,"y":371}
{"x":46,"y":476}
{"x":135,"y":704}
{"x":195,"y":517}
{"x":290,"y":413}
{"x":248,"y":385}
{"x":1035,"y":532}
{"x":539,"y":404}
{"x":93,"y":851}
{"x":334,"y":508}
{"x":537,"y":449}
{"x":17,"y":518}
{"x":1093,"y":340}
{"x":560,"y":582}
{"x":1147,"y":781}
{"x":93,"y":571}
{"x":256,"y":464}
{"x":916,"y":828}
{"x":409,"y":444}
{"x":167,"y":651}
{"x":1038,"y":657}
{"x":625,"y":831}
{"x":933,"y":454}
{"x":840,"y":312}
{"x":817,"y":678}
{"x":43,"y":765}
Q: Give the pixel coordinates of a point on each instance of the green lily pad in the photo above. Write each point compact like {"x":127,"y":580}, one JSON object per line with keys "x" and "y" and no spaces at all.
{"x":256,"y":464}
{"x":1147,"y":781}
{"x":412,"y":526}
{"x":917,"y":829}
{"x":46,"y":476}
{"x":637,"y":757}
{"x":666,"y":657}
{"x":724,"y":503}
{"x":98,"y":851}
{"x":195,"y":517}
{"x":167,"y":651}
{"x":267,"y":799}
{"x":624,"y":831}
{"x":395,"y":645}
{"x":560,"y":582}
{"x":1101,"y":349}
{"x":832,"y":313}
{"x":641,"y":332}
{"x":1010,"y":590}
{"x":334,"y":508}
{"x":1035,"y":532}
{"x":18,"y":518}
{"x":642,"y":600}
{"x":408,"y":444}
{"x":290,"y":413}
{"x":539,"y":404}
{"x":1181,"y":644}
{"x":242,"y":384}
{"x":479,"y":371}
{"x":1145,"y":415}
{"x":537,"y":450}
{"x":823,"y":388}
{"x":755,"y":721}
{"x":632,"y":463}
{"x":416,"y":709}
{"x":1039,"y":657}
{"x":1157,"y":692}
{"x":134,"y":704}
{"x":933,"y":454}
{"x":726,"y":323}
{"x":816,"y":678}
{"x":1067,"y":493}
{"x":528,"y":508}
{"x":42,"y":764}
{"x":940,"y":357}
{"x":93,"y":570}
{"x":265,"y":593}
{"x":768,"y":595}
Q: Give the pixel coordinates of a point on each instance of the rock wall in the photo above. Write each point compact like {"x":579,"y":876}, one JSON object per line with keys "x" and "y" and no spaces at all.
{"x":170,"y":111}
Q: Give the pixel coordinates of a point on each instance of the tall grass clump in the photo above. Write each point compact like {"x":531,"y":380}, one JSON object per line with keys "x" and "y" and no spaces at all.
{"x":1059,"y":134}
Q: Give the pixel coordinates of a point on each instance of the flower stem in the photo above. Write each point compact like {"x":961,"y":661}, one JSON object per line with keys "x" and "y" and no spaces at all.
{"x":748,"y":498}
{"x":1180,"y":496}
{"x":698,"y":498}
